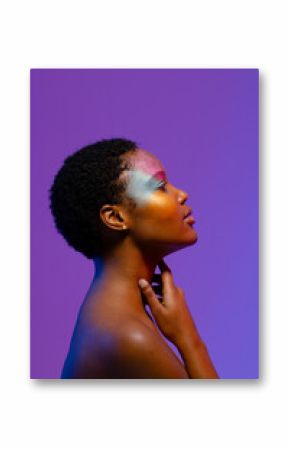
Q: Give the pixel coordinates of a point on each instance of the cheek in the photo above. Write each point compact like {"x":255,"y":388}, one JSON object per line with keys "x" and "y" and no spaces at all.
{"x":160,"y":211}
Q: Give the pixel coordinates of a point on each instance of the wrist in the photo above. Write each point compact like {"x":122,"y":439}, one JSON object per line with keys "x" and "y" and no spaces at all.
{"x":189,"y":340}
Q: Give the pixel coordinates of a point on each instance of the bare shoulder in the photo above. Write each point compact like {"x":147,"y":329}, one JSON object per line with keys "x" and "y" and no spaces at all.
{"x":121,"y":349}
{"x":143,"y":354}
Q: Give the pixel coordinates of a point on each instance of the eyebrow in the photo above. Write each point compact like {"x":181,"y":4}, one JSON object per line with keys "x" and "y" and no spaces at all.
{"x":160,"y":175}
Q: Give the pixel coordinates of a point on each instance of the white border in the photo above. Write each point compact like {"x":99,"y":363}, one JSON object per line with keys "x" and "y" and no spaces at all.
{"x":208,"y":34}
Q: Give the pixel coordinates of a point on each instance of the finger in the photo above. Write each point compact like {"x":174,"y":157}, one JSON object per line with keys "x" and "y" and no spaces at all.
{"x":160,"y":299}
{"x":163,"y":266}
{"x":144,"y":300}
{"x":150,"y":296}
{"x":158,"y":295}
{"x":167,"y":279}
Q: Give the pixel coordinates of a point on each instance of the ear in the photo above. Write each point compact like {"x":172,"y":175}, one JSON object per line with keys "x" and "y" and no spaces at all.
{"x":113,"y":217}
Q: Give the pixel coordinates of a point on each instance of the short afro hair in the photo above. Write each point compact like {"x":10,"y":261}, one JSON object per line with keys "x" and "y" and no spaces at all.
{"x":88,"y":179}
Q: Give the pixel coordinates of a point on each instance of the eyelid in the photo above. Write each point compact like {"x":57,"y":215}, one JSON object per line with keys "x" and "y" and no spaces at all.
{"x":161,"y":184}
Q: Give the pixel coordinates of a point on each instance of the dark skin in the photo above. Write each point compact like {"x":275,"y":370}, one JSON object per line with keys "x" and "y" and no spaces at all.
{"x":115,"y":336}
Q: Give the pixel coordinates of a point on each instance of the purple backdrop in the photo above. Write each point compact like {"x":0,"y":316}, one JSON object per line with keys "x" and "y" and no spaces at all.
{"x":203,"y":125}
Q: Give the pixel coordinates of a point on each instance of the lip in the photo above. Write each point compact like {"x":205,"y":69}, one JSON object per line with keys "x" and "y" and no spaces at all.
{"x":188,"y":212}
{"x":189,"y":219}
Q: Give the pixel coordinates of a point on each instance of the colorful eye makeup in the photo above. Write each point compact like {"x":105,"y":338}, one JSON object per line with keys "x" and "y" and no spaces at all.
{"x":141,"y":185}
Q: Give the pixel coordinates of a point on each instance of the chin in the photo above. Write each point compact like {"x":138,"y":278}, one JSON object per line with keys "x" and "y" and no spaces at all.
{"x":178,"y":245}
{"x":190,"y":237}
{"x":194,"y":237}
{"x":191,"y":240}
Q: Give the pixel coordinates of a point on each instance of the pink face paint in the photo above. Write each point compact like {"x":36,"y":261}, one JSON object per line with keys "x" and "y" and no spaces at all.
{"x":146,"y":162}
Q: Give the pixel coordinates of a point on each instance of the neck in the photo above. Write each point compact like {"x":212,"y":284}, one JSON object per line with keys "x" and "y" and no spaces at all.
{"x":117,"y":274}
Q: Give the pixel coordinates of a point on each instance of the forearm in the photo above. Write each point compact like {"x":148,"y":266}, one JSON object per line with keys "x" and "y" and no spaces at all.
{"x":196,"y":358}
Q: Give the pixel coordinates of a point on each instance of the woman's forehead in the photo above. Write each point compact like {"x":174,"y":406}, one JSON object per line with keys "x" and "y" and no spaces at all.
{"x":145,"y":161}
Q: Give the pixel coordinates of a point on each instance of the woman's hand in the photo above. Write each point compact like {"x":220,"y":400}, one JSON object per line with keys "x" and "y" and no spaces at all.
{"x":168,"y":306}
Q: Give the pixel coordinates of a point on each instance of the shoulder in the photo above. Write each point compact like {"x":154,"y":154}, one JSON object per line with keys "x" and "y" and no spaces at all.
{"x":122,"y":350}
{"x":141,"y":353}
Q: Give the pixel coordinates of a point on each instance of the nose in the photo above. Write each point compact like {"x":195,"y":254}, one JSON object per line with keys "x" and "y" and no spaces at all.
{"x":182,"y":196}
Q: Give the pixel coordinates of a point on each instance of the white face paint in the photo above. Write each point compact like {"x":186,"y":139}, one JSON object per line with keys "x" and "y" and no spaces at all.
{"x":141,"y":186}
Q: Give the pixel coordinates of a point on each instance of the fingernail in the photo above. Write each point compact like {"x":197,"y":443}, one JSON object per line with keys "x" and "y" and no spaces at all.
{"x":143,"y":283}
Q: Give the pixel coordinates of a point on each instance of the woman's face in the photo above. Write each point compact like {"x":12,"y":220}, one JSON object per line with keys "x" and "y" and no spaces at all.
{"x":158,"y":219}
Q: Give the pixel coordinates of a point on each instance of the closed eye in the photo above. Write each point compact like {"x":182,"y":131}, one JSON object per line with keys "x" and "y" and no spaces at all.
{"x":162,"y":186}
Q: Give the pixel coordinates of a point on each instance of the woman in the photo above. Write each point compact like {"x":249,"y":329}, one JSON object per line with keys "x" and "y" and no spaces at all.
{"x":112,"y":202}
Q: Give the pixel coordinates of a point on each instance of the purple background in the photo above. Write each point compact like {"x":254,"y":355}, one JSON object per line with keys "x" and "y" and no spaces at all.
{"x":203,"y":125}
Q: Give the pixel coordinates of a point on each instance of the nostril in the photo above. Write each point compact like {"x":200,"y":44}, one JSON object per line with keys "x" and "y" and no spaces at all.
{"x":184,"y":199}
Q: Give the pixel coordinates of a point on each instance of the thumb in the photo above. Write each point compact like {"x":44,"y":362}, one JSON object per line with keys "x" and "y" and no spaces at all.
{"x":150,"y":296}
